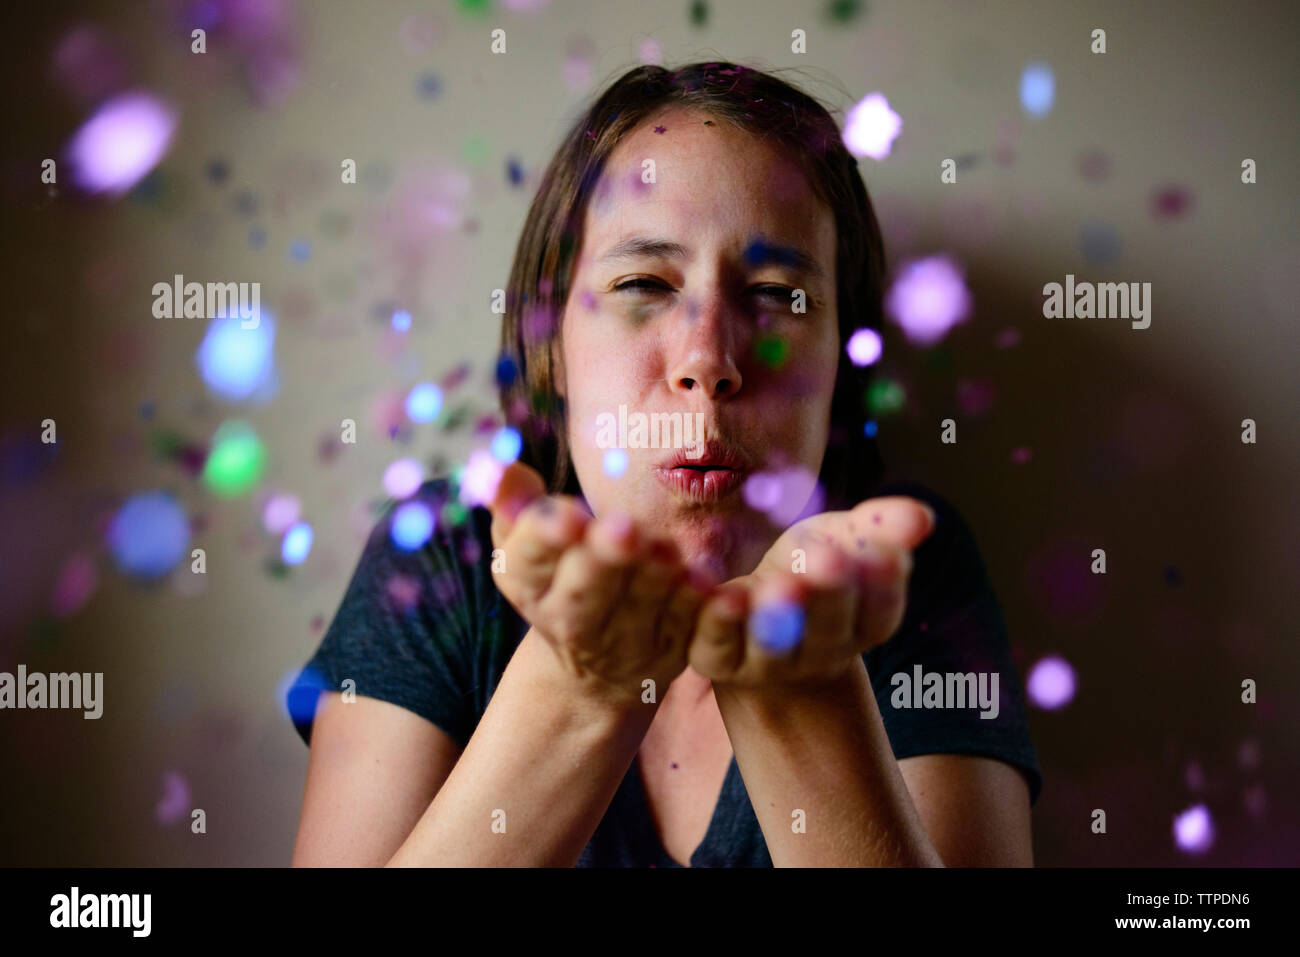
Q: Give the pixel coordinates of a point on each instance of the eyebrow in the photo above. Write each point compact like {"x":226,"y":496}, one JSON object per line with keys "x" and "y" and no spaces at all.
{"x":759,"y":253}
{"x":645,"y":246}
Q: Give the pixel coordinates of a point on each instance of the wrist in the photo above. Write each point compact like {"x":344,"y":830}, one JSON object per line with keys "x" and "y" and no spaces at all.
{"x":782,"y":694}
{"x":593,"y":698}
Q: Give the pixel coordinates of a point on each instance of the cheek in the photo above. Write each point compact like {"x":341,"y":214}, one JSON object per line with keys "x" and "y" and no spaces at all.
{"x":805,"y":378}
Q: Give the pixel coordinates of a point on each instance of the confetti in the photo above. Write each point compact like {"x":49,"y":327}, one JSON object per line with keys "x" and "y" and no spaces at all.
{"x":297,"y":544}
{"x":1050,"y":684}
{"x":864,"y":347}
{"x":1171,"y":202}
{"x":237,"y":460}
{"x":424,"y":402}
{"x":149,"y":535}
{"x":174,"y":805}
{"x":1037,"y":89}
{"x":778,"y":627}
{"x":403,"y":478}
{"x":871,"y":127}
{"x":124,"y":140}
{"x":412,"y":525}
{"x":1194,"y":830}
{"x":928,"y":299}
{"x":76,"y":583}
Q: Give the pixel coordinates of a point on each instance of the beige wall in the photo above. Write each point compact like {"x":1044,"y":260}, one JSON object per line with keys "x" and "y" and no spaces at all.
{"x":1185,"y":91}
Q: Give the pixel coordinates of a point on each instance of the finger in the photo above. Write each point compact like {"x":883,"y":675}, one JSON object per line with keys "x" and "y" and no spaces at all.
{"x":681,"y":613}
{"x":885,"y":571}
{"x":898,"y":519}
{"x":831,"y":597}
{"x":777,"y":628}
{"x":717,"y":649}
{"x":643,"y":608}
{"x":542,"y":532}
{"x":590,"y":578}
{"x":520,"y":484}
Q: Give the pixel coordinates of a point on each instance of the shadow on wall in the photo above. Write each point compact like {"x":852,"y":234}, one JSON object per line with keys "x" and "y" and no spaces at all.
{"x":1065,"y":444}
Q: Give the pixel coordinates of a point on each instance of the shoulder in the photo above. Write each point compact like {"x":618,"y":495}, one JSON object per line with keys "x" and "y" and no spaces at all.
{"x":953,"y":627}
{"x":409,"y":627}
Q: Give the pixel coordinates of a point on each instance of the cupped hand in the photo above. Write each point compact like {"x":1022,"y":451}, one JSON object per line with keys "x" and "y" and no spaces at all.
{"x":831,"y":588}
{"x":615,"y":604}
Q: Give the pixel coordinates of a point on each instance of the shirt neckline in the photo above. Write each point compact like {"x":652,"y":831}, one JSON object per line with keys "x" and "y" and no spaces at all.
{"x":647,"y":822}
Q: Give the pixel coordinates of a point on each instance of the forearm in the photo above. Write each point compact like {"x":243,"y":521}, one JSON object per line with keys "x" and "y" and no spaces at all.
{"x":824,"y":752}
{"x":535,"y":778}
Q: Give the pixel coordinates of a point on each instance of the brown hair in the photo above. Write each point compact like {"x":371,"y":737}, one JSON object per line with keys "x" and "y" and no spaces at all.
{"x":755,"y":102}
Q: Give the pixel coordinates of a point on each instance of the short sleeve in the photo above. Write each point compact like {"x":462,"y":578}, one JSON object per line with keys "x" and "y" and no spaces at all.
{"x":945,"y":682}
{"x":403,"y":632}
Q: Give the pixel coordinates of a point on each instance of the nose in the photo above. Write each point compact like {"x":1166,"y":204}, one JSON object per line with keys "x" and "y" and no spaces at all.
{"x":704,"y":355}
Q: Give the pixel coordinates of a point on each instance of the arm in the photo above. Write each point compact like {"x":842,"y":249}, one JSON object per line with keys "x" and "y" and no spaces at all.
{"x":826,"y":752}
{"x":356,"y":818}
{"x":547,"y":756}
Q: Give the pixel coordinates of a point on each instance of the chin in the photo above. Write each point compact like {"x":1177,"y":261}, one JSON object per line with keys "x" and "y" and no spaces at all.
{"x":727,"y":539}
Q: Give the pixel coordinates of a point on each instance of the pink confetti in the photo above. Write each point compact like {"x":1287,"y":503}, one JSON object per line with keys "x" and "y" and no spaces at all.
{"x":175,"y":800}
{"x":456,"y":376}
{"x":1256,"y":801}
{"x":77,"y":581}
{"x":1171,"y":202}
{"x":975,"y":397}
{"x":404,"y":592}
{"x":1093,"y":165}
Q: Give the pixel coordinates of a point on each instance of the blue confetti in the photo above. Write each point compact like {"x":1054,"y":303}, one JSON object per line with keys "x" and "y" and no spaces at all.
{"x":777,"y":627}
{"x":1037,"y":89}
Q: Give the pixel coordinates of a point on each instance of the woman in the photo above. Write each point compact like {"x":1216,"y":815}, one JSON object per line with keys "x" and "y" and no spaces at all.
{"x":698,"y":655}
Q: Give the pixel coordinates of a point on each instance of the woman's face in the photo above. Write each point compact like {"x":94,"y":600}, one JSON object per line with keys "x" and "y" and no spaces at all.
{"x":683,"y":306}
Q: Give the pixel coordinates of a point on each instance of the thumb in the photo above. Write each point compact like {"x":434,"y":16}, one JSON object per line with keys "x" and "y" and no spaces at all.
{"x":520,"y":484}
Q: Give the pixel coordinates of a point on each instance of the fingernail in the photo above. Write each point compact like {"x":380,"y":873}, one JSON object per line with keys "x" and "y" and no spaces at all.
{"x":731,"y":605}
{"x":934,"y":517}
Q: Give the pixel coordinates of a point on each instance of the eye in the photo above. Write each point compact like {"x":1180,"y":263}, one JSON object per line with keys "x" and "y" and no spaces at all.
{"x":643,"y":285}
{"x":781,"y":294}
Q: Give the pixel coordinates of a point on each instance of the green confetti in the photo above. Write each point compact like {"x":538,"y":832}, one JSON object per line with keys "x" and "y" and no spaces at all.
{"x":885,"y":397}
{"x":166,"y":443}
{"x":475,"y":150}
{"x":699,"y":13}
{"x":456,"y":418}
{"x":844,"y":11}
{"x":771,"y":350}
{"x":939,"y":359}
{"x":236,"y":462}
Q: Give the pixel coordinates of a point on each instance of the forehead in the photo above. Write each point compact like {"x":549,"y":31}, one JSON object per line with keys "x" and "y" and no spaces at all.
{"x":710,"y":183}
